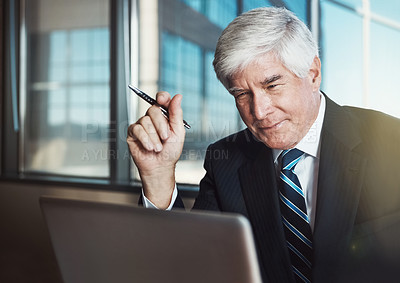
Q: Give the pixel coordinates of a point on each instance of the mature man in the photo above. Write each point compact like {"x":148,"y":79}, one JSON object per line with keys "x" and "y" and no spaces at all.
{"x":319,"y":182}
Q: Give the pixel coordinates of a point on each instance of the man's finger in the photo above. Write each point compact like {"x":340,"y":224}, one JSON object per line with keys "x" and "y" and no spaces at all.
{"x":163,"y":98}
{"x":139,"y":135}
{"x":159,"y":121}
{"x":151,"y":131}
{"x":176,"y":113}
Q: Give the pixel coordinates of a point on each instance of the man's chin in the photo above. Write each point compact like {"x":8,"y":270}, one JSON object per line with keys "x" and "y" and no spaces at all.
{"x":275,"y":143}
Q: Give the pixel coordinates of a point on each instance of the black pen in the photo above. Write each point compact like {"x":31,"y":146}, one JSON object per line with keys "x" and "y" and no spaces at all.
{"x":152,"y":101}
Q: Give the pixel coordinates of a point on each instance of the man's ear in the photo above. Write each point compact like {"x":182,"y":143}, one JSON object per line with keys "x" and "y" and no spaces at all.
{"x":315,"y":73}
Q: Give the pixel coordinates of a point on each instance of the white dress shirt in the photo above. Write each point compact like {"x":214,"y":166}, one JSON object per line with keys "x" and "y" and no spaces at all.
{"x":148,"y":204}
{"x":308,"y":166}
{"x":306,"y":169}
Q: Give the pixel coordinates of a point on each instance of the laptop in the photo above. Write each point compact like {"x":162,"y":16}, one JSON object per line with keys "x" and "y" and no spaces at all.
{"x":103,"y":242}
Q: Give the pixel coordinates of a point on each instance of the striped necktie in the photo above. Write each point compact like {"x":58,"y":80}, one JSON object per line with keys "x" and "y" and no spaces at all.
{"x":294,"y":216}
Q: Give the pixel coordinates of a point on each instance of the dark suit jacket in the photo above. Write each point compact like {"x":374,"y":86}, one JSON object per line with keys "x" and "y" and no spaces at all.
{"x":357,"y":227}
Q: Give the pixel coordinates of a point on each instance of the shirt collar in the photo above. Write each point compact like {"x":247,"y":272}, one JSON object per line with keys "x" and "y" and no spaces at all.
{"x":310,"y":144}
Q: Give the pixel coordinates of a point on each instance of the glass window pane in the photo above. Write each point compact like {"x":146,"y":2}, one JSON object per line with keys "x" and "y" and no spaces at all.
{"x":187,"y":32}
{"x":385,"y":61}
{"x":221,"y":112}
{"x":389,"y":9}
{"x":185,"y":67}
{"x":342,"y":51}
{"x":360,"y":54}
{"x":220,"y":12}
{"x":181,"y":70}
{"x":299,"y":7}
{"x":67,"y":92}
{"x":252,"y":4}
{"x":350,"y":3}
{"x":195,"y":4}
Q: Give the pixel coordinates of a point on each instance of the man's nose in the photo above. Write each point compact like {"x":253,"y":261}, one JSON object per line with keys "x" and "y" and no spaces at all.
{"x":261,"y":105}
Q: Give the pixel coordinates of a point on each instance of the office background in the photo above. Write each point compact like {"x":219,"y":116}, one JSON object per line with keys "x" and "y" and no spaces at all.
{"x":65,"y":106}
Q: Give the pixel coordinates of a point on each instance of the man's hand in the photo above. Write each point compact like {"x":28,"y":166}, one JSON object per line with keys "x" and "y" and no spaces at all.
{"x":155,"y":144}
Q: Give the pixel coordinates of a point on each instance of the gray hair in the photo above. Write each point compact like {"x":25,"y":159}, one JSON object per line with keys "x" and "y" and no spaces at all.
{"x":258,"y":32}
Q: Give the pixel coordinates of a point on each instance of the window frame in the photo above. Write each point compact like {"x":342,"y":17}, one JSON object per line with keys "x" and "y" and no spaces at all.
{"x":121,"y":169}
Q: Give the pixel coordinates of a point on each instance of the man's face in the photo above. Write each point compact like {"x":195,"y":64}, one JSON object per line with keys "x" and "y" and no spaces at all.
{"x":278,"y":107}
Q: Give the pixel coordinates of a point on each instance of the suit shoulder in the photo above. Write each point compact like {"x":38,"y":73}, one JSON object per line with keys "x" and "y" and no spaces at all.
{"x":371,"y":115}
{"x":375,"y":123}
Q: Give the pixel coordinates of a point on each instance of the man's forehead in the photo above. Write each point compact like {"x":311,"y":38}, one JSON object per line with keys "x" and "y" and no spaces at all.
{"x":267,"y":65}
{"x":264,"y":81}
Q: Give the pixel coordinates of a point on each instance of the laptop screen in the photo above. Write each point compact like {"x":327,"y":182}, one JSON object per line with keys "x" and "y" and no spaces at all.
{"x":103,"y":242}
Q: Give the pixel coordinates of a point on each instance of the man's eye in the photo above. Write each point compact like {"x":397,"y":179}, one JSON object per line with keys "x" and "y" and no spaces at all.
{"x":240,"y":94}
{"x":272,"y":86}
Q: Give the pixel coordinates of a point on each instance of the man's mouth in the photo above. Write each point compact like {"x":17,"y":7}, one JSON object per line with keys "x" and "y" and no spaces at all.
{"x":271,"y":126}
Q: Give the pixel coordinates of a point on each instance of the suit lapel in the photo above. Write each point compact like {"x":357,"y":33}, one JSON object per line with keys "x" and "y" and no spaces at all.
{"x":259,"y":188}
{"x":341,"y":173}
